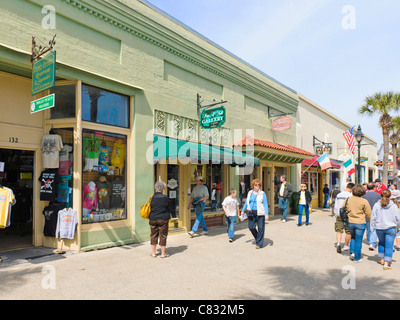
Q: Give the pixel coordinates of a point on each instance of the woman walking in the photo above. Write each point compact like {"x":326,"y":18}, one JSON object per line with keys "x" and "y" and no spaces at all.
{"x":304,"y":203}
{"x":159,"y":219}
{"x":358,"y":209}
{"x":385,"y":219}
{"x":257,"y":212}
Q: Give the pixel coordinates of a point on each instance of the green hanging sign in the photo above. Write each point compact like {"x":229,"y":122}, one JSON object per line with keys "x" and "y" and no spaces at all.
{"x":44,"y":73}
{"x":213,"y":118}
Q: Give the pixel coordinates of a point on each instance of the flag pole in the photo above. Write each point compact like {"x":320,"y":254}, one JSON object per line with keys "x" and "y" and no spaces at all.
{"x":309,"y":167}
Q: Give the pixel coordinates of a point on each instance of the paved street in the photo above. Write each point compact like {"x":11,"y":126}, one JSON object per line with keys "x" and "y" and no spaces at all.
{"x":295,"y":263}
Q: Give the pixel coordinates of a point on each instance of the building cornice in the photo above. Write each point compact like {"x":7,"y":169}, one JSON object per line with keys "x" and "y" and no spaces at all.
{"x":166,"y":39}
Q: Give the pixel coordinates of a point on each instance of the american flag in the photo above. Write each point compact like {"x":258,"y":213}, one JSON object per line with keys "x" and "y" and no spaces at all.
{"x":349,"y":137}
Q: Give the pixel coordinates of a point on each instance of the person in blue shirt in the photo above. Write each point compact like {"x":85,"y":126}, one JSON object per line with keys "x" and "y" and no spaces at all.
{"x":257,"y":211}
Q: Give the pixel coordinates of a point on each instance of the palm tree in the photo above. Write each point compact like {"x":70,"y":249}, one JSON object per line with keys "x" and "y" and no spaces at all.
{"x":382,"y":104}
{"x":394,"y":140}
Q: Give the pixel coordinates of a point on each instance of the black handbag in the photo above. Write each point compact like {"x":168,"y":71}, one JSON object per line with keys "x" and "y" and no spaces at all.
{"x":344,"y":214}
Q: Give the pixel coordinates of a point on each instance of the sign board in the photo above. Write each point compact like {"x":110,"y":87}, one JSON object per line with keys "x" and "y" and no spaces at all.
{"x":213,"y":118}
{"x":321,"y":149}
{"x":43,"y":103}
{"x":281,"y":124}
{"x":44,"y":73}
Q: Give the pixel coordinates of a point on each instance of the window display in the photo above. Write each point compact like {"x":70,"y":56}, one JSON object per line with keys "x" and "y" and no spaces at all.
{"x":104,"y":177}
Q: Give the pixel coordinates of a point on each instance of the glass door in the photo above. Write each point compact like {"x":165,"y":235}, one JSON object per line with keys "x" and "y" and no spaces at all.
{"x":173,"y":195}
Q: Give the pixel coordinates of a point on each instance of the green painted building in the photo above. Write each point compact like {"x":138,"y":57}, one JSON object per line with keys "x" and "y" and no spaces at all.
{"x":128,"y":76}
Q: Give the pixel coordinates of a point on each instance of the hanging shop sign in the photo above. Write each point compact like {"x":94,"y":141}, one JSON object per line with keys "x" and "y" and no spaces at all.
{"x":43,"y":103}
{"x":44,"y":73}
{"x":321,"y":149}
{"x":213,"y":118}
{"x":281,"y":124}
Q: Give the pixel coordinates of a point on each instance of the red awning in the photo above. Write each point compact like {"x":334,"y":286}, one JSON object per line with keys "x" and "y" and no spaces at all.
{"x":314,"y":163}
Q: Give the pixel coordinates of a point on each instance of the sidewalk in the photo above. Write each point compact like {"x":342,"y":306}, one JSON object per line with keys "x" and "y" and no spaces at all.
{"x":295,"y":263}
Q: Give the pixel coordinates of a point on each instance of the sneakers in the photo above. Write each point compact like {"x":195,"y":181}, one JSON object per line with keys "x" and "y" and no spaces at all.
{"x":283,"y":220}
{"x":191,"y":234}
{"x":338,"y":248}
{"x":346,"y":248}
{"x":371,"y":247}
{"x":204,"y":233}
{"x":230,"y":240}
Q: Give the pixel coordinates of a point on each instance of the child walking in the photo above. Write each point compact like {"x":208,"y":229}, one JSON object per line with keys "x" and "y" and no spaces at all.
{"x":304,"y":203}
{"x":231,"y":208}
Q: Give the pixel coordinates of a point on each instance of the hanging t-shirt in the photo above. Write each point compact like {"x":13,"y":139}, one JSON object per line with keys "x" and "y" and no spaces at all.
{"x":51,"y":146}
{"x":50,"y":219}
{"x":48,"y":185}
{"x":7,"y":199}
{"x":118,"y":154}
{"x":103,"y":192}
{"x":64,"y":167}
{"x":64,"y":189}
{"x":91,"y":147}
{"x":89,"y":200}
{"x":116,"y":193}
{"x":65,"y":153}
{"x":66,"y":223}
{"x":105,"y":153}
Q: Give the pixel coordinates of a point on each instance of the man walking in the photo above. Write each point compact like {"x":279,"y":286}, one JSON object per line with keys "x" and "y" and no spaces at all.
{"x":372,"y":197}
{"x":285,"y":192}
{"x":339,"y":225}
{"x":199,"y":196}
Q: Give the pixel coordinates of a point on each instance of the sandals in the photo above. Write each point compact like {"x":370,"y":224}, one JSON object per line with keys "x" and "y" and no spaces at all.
{"x":165,"y":256}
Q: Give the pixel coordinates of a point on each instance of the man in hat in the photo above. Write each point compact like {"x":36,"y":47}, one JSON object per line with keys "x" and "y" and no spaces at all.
{"x":379,"y":186}
{"x":199,"y":196}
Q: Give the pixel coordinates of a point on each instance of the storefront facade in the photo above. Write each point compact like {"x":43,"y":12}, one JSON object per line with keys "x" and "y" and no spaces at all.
{"x":318,"y":131}
{"x":123,"y":84}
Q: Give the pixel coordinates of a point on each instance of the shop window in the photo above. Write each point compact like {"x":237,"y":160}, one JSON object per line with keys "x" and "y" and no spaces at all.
{"x":173,"y":189}
{"x":213,"y":177}
{"x":106,"y":107}
{"x":103,"y":177}
{"x":65,"y":102}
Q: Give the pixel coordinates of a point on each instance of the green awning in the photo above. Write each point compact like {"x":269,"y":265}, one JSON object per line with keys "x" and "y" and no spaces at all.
{"x":165,"y":148}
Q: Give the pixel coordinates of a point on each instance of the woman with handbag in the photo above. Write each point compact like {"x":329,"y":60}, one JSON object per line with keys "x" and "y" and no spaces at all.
{"x":257,"y":212}
{"x":158,"y":219}
{"x":358,"y":209}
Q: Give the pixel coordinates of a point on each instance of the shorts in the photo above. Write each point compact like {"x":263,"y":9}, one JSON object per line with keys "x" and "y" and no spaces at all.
{"x":340,"y":227}
{"x":158,"y":230}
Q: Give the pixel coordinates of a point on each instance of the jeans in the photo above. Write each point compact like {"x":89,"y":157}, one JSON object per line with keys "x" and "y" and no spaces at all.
{"x":231,"y":224}
{"x":357,"y":234}
{"x":283,"y":207}
{"x":257,"y":227}
{"x":326,"y":198}
{"x":371,"y":236}
{"x":386,"y":242}
{"x":200,"y":220}
{"x":307,"y":208}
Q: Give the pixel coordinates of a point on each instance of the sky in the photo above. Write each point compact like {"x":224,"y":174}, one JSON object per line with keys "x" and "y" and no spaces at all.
{"x":334,"y":52}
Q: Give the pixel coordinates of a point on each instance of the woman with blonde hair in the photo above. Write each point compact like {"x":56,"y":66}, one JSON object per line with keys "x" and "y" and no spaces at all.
{"x":385,"y":219}
{"x":257,"y":211}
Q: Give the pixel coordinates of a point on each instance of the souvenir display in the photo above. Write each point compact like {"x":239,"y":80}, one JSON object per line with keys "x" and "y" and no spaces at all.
{"x":104,"y":180}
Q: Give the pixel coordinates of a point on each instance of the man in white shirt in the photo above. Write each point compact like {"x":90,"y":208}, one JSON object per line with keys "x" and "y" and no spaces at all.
{"x":199,"y":196}
{"x":339,"y":226}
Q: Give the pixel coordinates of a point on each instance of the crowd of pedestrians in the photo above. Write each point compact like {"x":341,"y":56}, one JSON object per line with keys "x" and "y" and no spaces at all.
{"x":371,"y":208}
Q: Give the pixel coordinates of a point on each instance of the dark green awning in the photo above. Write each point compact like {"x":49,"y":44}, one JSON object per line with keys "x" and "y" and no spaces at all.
{"x":165,"y":148}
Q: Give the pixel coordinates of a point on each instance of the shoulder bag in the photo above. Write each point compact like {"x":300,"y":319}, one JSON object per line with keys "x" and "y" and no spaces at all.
{"x":344,"y":214}
{"x":146,"y":209}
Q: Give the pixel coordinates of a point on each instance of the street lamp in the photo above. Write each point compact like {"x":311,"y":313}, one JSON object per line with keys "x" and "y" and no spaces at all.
{"x":359,"y":135}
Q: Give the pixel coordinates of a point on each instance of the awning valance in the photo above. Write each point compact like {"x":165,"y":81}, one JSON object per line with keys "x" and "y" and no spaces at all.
{"x":314,"y":162}
{"x":166,"y":148}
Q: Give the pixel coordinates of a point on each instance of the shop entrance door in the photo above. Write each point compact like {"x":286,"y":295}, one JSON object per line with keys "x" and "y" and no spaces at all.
{"x":173,"y":195}
{"x":17,"y":174}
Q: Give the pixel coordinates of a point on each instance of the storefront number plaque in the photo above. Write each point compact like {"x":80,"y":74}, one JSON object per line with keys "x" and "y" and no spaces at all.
{"x":213,"y":118}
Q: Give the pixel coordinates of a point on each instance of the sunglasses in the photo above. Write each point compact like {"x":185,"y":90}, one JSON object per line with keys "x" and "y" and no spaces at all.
{"x":257,"y":184}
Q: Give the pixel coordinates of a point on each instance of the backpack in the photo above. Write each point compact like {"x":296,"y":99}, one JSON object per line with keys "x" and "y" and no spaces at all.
{"x":146,"y":209}
{"x":344,"y":214}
